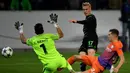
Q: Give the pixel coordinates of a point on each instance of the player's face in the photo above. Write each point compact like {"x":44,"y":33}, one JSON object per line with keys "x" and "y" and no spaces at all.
{"x":86,"y":10}
{"x":110,"y":36}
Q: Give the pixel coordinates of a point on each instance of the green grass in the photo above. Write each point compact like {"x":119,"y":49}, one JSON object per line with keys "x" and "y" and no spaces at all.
{"x":27,"y":62}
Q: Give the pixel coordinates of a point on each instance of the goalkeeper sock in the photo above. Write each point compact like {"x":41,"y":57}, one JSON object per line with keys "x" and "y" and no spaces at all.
{"x":71,"y":60}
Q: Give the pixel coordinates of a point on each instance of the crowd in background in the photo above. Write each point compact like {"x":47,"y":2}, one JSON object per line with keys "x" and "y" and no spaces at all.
{"x":57,"y":4}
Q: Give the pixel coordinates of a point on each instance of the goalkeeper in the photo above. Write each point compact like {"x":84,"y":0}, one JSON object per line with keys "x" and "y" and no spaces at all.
{"x":44,"y":46}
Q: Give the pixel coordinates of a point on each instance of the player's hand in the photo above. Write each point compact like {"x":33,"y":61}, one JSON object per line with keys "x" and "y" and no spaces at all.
{"x":73,"y":21}
{"x":115,"y":70}
{"x":111,"y":70}
{"x":19,"y":26}
{"x":53,"y":18}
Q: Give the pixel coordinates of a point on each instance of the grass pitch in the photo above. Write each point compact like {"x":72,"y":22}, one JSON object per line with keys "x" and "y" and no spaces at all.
{"x":27,"y":62}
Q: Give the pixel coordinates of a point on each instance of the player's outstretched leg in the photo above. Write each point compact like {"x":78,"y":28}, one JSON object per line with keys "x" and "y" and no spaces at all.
{"x":72,"y":59}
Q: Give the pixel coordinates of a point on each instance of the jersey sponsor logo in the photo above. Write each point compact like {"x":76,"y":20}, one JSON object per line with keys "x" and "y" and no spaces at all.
{"x":112,"y":46}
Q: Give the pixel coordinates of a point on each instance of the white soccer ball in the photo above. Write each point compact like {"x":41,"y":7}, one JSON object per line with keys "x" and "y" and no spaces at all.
{"x":7,"y":52}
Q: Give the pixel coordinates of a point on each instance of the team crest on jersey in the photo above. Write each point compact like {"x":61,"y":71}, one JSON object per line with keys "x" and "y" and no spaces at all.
{"x":112,"y":46}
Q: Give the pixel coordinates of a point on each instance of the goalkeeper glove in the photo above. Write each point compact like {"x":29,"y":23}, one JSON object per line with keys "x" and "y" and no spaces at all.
{"x":19,"y":26}
{"x":53,"y":20}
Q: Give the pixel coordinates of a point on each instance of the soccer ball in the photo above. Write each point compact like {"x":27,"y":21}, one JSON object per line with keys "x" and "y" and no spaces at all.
{"x":7,"y":52}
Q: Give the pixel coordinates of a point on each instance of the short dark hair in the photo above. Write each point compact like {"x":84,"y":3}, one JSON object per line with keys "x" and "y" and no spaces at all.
{"x":114,"y":31}
{"x":38,"y":28}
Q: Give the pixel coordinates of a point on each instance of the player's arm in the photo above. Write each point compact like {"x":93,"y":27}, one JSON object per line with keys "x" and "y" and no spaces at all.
{"x":59,"y":31}
{"x":53,"y":21}
{"x":19,"y":27}
{"x":90,"y":18}
{"x":122,"y":59}
{"x":23,"y":38}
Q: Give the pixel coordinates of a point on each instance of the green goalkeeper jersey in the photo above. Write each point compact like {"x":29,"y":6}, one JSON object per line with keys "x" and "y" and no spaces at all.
{"x":44,"y":47}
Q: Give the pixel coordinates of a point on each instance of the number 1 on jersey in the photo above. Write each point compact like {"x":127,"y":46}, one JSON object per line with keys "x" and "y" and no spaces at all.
{"x":44,"y":48}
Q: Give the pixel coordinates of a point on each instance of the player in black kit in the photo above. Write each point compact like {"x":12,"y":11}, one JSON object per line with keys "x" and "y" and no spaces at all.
{"x":90,"y":40}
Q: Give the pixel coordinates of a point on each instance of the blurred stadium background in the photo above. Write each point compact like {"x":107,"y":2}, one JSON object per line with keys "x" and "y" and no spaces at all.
{"x":73,"y":32}
{"x":24,"y":59}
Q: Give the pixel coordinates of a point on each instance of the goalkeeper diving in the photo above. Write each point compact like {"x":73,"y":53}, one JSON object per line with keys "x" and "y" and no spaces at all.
{"x":44,"y":46}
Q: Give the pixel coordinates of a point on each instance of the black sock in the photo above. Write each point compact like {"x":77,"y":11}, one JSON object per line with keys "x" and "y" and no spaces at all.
{"x":82,"y":67}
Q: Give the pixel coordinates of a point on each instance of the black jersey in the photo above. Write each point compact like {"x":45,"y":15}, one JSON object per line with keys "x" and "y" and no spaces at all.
{"x":89,"y":27}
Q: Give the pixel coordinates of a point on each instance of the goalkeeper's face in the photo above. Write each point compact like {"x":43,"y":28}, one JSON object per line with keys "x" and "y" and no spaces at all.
{"x":38,"y":28}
